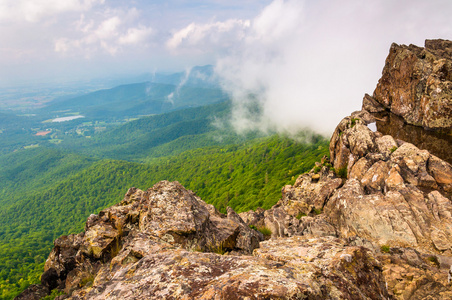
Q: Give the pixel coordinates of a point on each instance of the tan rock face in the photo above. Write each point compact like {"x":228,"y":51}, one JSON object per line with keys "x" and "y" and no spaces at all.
{"x":416,"y":84}
{"x":392,"y":192}
{"x":411,"y":275}
{"x":292,"y":268}
{"x":165,"y":216}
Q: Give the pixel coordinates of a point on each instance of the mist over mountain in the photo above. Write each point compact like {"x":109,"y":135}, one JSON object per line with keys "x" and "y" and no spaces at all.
{"x":225,"y":149}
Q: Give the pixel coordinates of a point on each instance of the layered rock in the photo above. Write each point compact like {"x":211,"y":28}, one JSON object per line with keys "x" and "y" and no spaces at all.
{"x":165,"y":243}
{"x":293,"y":268}
{"x":395,"y":192}
{"x":167,"y":216}
{"x":416,"y":84}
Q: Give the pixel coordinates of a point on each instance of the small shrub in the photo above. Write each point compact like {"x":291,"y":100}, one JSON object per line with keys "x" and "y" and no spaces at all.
{"x":434,"y":260}
{"x":393,"y":149}
{"x":353,"y":121}
{"x":317,"y":169}
{"x":253,"y":227}
{"x":385,"y":248}
{"x":265,"y":231}
{"x":318,"y":211}
{"x":300,"y":215}
{"x":218,"y":249}
{"x":341,"y":172}
{"x":55,"y":293}
{"x":87,"y":281}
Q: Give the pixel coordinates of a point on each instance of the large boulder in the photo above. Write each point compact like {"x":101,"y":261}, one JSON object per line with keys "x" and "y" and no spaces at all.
{"x":416,"y":84}
{"x":166,"y":216}
{"x":394,"y":191}
{"x":292,"y":268}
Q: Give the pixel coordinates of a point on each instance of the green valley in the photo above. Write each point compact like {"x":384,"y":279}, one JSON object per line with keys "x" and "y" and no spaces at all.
{"x":49,"y":189}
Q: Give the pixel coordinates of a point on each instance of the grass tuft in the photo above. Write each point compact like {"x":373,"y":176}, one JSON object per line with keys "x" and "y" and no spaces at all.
{"x":434,"y":260}
{"x":265,"y":231}
{"x":385,"y":248}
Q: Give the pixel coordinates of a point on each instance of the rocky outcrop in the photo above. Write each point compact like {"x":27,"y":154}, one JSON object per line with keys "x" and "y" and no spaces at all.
{"x":293,"y":268}
{"x":395,"y":193}
{"x":167,"y":216}
{"x":416,"y":84}
{"x":373,"y":221}
{"x":33,"y":292}
{"x":166,"y":243}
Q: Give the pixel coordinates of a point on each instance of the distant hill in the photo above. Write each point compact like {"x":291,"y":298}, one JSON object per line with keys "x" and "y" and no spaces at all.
{"x":199,"y":76}
{"x":137,"y":99}
{"x":159,"y":135}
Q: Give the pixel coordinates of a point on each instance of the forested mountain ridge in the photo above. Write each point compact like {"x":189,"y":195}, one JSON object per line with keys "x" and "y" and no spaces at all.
{"x":137,"y":99}
{"x":86,"y":115}
{"x":48,"y":192}
{"x":372,"y":221}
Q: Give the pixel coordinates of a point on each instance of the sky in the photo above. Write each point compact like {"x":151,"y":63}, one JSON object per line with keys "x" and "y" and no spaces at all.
{"x":310,"y":62}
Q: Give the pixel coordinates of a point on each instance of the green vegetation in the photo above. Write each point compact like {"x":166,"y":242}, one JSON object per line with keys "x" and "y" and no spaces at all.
{"x":385,"y":248}
{"x":300,"y":215}
{"x":87,"y":164}
{"x":55,"y":293}
{"x":215,"y":247}
{"x":394,"y":148}
{"x":265,"y":231}
{"x":353,"y":122}
{"x":434,"y":260}
{"x":341,"y":172}
{"x":37,"y":209}
{"x":317,"y":211}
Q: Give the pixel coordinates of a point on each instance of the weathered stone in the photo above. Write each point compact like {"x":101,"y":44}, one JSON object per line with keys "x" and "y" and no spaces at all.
{"x":360,"y":168}
{"x":441,"y":170}
{"x":371,"y":105}
{"x":173,"y":212}
{"x":323,"y":268}
{"x":416,"y":84}
{"x":384,"y":232}
{"x":33,"y":292}
{"x":313,"y":193}
{"x":386,"y":144}
{"x":375,"y":177}
{"x":361,"y":140}
{"x":410,"y":275}
{"x":394,"y":181}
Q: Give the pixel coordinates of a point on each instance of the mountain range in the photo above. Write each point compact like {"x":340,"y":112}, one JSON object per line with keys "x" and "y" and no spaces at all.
{"x":209,"y":214}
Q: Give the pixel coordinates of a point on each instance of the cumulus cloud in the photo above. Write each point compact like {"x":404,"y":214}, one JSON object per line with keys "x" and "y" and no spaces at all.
{"x":301,"y":64}
{"x":135,"y":35}
{"x":116,"y":30}
{"x":36,"y":10}
{"x":206,"y":37}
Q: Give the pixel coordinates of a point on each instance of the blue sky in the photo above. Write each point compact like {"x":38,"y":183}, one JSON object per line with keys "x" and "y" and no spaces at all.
{"x":309,"y":60}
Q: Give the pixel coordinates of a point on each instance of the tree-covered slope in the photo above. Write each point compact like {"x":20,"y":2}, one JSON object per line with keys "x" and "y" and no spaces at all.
{"x":135,"y":140}
{"x":136,"y":99}
{"x":243,"y":176}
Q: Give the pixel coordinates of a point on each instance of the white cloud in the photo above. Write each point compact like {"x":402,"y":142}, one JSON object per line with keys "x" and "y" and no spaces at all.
{"x":108,"y":29}
{"x":206,"y":37}
{"x":309,"y":63}
{"x":111,"y":34}
{"x":135,"y":35}
{"x":36,"y":10}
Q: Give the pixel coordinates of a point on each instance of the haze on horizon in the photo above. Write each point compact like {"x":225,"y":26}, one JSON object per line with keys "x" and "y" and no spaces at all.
{"x":310,"y":62}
